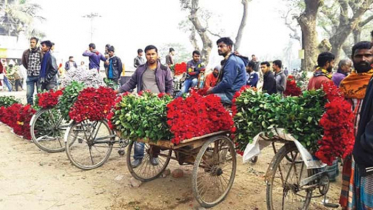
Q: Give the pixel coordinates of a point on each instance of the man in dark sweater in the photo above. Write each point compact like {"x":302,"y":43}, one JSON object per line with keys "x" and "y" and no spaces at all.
{"x":269,"y":82}
{"x":363,"y":148}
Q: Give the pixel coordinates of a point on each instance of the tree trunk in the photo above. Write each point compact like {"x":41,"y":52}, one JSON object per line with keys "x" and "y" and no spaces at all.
{"x":193,"y":40}
{"x":202,"y":32}
{"x":237,"y":43}
{"x":307,"y":22}
{"x":357,"y":35}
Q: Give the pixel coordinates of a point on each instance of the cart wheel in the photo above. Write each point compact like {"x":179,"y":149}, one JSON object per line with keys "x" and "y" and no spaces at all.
{"x":214,"y":171}
{"x":254,"y":159}
{"x":283,"y":180}
{"x":90,"y":144}
{"x":146,"y":171}
{"x":47,"y":130}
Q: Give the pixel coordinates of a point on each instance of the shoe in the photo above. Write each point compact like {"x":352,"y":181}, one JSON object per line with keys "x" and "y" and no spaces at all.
{"x":136,"y":163}
{"x":154,"y":161}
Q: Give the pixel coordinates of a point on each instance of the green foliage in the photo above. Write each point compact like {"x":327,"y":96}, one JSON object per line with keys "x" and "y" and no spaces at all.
{"x":300,"y":116}
{"x":142,"y":117}
{"x":7,"y":101}
{"x":67,"y":100}
{"x":110,"y":84}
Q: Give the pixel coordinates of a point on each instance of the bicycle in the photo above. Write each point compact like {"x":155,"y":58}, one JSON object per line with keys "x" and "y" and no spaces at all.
{"x":90,"y":143}
{"x":47,"y":129}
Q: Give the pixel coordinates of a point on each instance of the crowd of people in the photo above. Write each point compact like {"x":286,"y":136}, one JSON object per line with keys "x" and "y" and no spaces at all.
{"x":234,"y":72}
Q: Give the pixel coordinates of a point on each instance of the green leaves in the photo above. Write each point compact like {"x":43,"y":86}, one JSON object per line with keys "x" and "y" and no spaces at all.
{"x":68,"y":98}
{"x":139,"y":117}
{"x":300,"y":116}
{"x":7,"y":101}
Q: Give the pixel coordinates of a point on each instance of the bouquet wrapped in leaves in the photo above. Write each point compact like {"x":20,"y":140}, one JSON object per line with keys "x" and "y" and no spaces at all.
{"x":308,"y":118}
{"x":142,"y":116}
{"x":6,"y":101}
{"x":68,"y":98}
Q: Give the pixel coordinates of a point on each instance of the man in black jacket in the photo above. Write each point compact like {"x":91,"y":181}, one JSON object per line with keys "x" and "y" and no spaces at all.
{"x":70,"y":64}
{"x":363,"y":148}
{"x":49,"y":69}
{"x":269,"y":82}
{"x":114,"y":66}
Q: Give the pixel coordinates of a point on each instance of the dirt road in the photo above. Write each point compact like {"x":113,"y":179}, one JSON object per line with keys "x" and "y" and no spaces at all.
{"x":32,"y":179}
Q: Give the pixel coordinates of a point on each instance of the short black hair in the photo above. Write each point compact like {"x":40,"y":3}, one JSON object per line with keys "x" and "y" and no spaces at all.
{"x":139,"y":51}
{"x":252,"y":55}
{"x":34,"y":38}
{"x":364,"y":45}
{"x":171,"y":50}
{"x":324,"y":57}
{"x":107,"y":46}
{"x":278,"y":63}
{"x":46,"y":43}
{"x":196,"y":52}
{"x":93,"y":46}
{"x":111,"y":49}
{"x":251,"y":64}
{"x":226,"y":40}
{"x":71,"y":57}
{"x":265,"y":63}
{"x":151,"y":47}
{"x":52,"y":43}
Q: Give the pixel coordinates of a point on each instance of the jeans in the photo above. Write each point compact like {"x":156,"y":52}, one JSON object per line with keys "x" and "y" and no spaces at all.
{"x":224,"y":98}
{"x":7,"y":83}
{"x":139,"y":150}
{"x":188,"y":83}
{"x":30,"y":83}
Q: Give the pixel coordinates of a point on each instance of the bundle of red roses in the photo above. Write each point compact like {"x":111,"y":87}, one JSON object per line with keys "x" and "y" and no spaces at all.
{"x":180,"y":68}
{"x":23,"y":119}
{"x":49,"y":99}
{"x":291,"y":87}
{"x":337,"y":122}
{"x":18,"y":118}
{"x":196,"y":116}
{"x":92,"y":104}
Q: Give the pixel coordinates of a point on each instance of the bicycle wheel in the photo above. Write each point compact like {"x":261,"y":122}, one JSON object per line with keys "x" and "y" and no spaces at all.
{"x":147,"y":171}
{"x":47,"y":130}
{"x":283,"y":178}
{"x":93,"y":144}
{"x":214,"y":171}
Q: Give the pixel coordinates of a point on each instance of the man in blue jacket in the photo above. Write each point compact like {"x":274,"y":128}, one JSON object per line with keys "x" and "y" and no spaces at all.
{"x":94,"y":57}
{"x":233,"y":73}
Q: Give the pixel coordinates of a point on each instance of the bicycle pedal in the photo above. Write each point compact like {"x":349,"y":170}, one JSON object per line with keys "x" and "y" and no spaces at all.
{"x":121,"y":152}
{"x":331,"y":205}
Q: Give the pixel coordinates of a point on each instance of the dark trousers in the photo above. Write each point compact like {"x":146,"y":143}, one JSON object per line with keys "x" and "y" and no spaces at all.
{"x":18,"y":84}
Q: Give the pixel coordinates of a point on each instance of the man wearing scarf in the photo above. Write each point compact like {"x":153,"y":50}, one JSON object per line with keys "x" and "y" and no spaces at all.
{"x":344,"y":67}
{"x":357,"y":182}
{"x":212,"y":78}
{"x":49,"y":68}
{"x":325,"y":63}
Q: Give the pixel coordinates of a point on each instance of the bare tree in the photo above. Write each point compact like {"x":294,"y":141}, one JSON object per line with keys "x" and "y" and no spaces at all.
{"x":193,"y":7}
{"x":344,"y":23}
{"x":237,"y":43}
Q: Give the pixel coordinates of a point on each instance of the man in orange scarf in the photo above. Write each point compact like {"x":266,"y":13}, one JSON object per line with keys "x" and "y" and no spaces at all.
{"x":354,"y":88}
